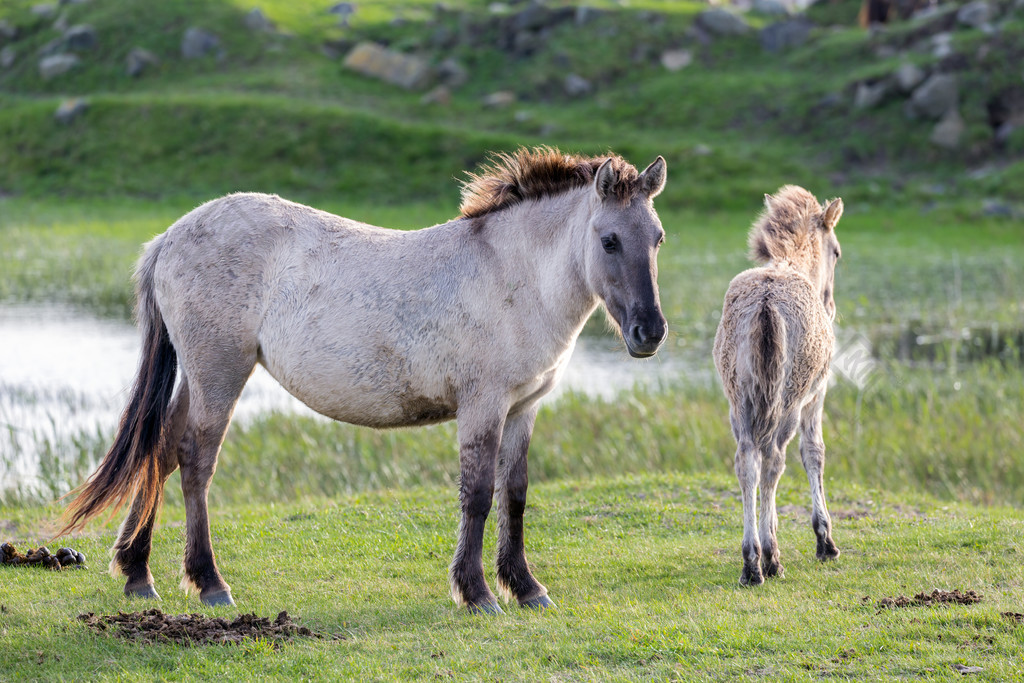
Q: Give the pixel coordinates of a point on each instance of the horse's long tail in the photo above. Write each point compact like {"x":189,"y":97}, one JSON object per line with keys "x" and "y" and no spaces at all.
{"x":131,"y":466}
{"x":768,"y":360}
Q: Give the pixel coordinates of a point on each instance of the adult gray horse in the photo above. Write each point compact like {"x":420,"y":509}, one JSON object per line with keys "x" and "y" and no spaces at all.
{"x":472,"y":320}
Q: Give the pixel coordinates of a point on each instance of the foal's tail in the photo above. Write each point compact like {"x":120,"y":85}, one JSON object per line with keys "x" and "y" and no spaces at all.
{"x":768,"y":361}
{"x":131,"y":466}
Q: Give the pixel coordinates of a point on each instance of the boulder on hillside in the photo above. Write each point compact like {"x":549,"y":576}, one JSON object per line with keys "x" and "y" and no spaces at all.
{"x":499,"y":99}
{"x":975,"y":14}
{"x":949,"y":130}
{"x":676,"y":60}
{"x":452,"y":72}
{"x":45,"y":11}
{"x":377,"y":61}
{"x":721,"y":22}
{"x":138,"y":61}
{"x":933,"y":98}
{"x":908,"y":76}
{"x":80,"y":37}
{"x":52,"y":66}
{"x":8,"y":56}
{"x":198,"y":43}
{"x":577,"y":86}
{"x":772,"y":8}
{"x":258,"y":22}
{"x":69,"y":110}
{"x":784,"y":35}
{"x":8,"y":31}
{"x":870,"y":95}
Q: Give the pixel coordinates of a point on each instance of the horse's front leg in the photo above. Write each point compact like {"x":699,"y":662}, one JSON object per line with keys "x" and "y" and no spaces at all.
{"x":479,"y":441}
{"x":514,"y":577}
{"x":812,"y":453}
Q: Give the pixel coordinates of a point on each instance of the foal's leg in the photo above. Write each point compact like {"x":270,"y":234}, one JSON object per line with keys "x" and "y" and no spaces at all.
{"x":132,"y":556}
{"x":748,"y":471}
{"x":215,"y":388}
{"x":772,"y":467}
{"x":479,"y":441}
{"x":812,"y":452}
{"x":514,"y":577}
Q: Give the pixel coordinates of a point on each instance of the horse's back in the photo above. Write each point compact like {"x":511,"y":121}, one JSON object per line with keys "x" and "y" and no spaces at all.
{"x":807,"y":329}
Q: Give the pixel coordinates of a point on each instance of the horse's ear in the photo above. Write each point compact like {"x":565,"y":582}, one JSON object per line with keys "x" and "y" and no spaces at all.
{"x":605,"y":179}
{"x":652,"y":180}
{"x":833,"y":213}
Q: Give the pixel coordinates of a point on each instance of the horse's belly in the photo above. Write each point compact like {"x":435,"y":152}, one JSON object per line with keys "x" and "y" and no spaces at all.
{"x":365,"y":392}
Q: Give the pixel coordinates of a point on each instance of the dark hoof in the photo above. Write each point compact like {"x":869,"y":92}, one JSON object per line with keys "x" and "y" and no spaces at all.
{"x":539,"y":603}
{"x":774,"y":571}
{"x":218,"y":599}
{"x":827,"y":551}
{"x":148,"y":592}
{"x":485,"y":608}
{"x":749,"y":579}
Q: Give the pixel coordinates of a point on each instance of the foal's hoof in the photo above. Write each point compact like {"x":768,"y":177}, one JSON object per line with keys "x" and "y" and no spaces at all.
{"x":147,"y":592}
{"x":485,"y":608}
{"x":539,"y":603}
{"x":827,"y":550}
{"x":773,"y":570}
{"x":218,"y":599}
{"x":749,"y":579}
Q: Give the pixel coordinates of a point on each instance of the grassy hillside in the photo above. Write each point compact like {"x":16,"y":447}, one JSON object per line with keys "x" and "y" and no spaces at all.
{"x":277,"y":110}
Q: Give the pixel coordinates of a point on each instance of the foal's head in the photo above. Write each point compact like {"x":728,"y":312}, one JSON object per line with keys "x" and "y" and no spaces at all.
{"x":622,"y":252}
{"x":797,"y":230}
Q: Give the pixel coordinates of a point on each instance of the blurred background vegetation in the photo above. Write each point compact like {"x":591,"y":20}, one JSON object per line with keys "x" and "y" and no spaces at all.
{"x":116,"y":116}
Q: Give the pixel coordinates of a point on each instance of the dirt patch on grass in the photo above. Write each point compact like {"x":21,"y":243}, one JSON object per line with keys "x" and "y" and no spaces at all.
{"x":1015,"y":617}
{"x":936,"y":597}
{"x":153,"y":626}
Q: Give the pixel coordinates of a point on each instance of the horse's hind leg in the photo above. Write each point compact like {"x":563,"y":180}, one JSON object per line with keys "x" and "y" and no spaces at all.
{"x":514,"y":577}
{"x":215,"y":383}
{"x":131,"y":556}
{"x":772,"y":466}
{"x":748,"y":472}
{"x":812,"y":453}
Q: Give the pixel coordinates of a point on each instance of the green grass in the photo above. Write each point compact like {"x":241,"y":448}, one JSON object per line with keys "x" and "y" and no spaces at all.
{"x":644,"y":570}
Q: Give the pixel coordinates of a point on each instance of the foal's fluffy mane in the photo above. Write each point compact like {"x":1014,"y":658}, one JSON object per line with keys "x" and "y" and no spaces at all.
{"x":511,"y":178}
{"x":786,"y":229}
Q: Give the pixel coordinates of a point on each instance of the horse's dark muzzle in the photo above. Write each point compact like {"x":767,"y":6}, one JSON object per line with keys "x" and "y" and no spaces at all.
{"x":644,"y":340}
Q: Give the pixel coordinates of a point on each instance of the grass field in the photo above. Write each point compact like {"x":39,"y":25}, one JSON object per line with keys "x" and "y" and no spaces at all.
{"x":643,"y":570}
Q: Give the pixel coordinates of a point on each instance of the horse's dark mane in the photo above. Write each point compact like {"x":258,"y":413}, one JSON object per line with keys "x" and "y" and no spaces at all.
{"x":511,"y":178}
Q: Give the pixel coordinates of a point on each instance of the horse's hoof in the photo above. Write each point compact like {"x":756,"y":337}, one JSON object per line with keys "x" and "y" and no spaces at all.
{"x":539,"y":603}
{"x":485,"y":608}
{"x":827,"y":551}
{"x":147,"y":592}
{"x":774,"y":571}
{"x":750,"y":579}
{"x":218,"y":599}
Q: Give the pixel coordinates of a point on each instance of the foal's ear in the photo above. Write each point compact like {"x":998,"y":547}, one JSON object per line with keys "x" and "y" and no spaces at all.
{"x":833,"y":213}
{"x":605,"y":179}
{"x":652,"y":180}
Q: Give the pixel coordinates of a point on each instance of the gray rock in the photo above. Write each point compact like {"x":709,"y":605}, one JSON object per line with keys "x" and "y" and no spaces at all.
{"x":870,"y":95}
{"x":949,"y":130}
{"x":8,"y":56}
{"x":52,"y":66}
{"x":7,"y":30}
{"x":586,"y":14}
{"x":1002,"y":136}
{"x":936,"y":96}
{"x":45,"y":11}
{"x":772,"y":8}
{"x":377,"y":61}
{"x":138,"y":61}
{"x":994,"y":207}
{"x":452,"y":73}
{"x":52,"y":47}
{"x":676,"y":60}
{"x":942,"y":45}
{"x":908,"y":76}
{"x":499,"y":99}
{"x":784,"y":35}
{"x":198,"y":43}
{"x":975,"y":14}
{"x":258,"y":22}
{"x":344,"y":12}
{"x":721,"y":22}
{"x":577,"y":86}
{"x":80,"y":37}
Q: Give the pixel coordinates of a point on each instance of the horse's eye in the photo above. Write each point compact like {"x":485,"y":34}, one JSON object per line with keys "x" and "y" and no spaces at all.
{"x":610,"y":243}
{"x":836,"y":252}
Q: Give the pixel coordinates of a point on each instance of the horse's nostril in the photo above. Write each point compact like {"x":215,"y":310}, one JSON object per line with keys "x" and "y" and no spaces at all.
{"x":637,"y":334}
